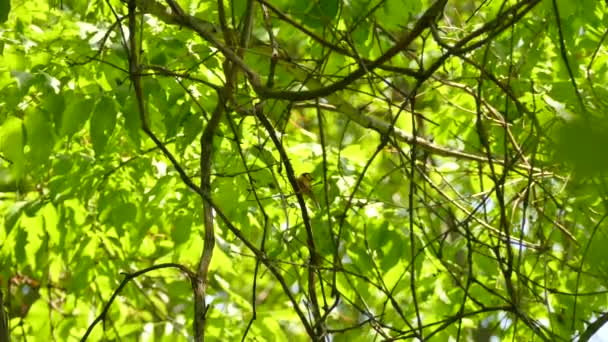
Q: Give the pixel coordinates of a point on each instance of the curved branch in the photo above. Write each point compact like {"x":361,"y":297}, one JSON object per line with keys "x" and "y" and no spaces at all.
{"x":124,"y":282}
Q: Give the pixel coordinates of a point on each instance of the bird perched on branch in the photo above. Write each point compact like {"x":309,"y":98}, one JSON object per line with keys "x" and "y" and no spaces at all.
{"x":305,"y":187}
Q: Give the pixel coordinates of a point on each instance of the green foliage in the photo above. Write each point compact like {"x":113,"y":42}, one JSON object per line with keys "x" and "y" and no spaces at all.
{"x":5,"y":9}
{"x":102,"y":124}
{"x":491,"y":224}
{"x":580,"y":144}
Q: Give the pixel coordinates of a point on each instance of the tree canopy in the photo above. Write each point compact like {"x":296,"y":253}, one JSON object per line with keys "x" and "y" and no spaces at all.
{"x":152,"y":153}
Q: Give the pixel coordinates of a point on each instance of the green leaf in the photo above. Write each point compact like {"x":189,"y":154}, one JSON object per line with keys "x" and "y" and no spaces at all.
{"x":132,"y":120}
{"x":397,"y":13}
{"x":224,"y":197}
{"x":32,"y":207}
{"x":10,"y":183}
{"x":82,"y":274}
{"x":54,"y":105}
{"x":20,"y":243}
{"x":11,"y":145}
{"x":13,"y":214}
{"x":75,"y":116}
{"x":581,"y":144}
{"x":320,"y":13}
{"x":180,"y":232}
{"x":102,"y":124}
{"x":192,"y":128}
{"x":124,"y":213}
{"x":264,"y":155}
{"x":394,"y":249}
{"x":40,"y":137}
{"x":328,"y":9}
{"x":5,"y":8}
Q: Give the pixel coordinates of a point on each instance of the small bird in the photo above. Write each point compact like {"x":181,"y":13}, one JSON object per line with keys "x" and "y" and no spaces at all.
{"x":305,"y":187}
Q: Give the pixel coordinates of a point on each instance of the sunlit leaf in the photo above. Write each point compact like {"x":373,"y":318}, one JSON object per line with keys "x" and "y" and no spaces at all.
{"x":77,"y":112}
{"x":102,"y":124}
{"x":40,"y":138}
{"x":11,"y":145}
